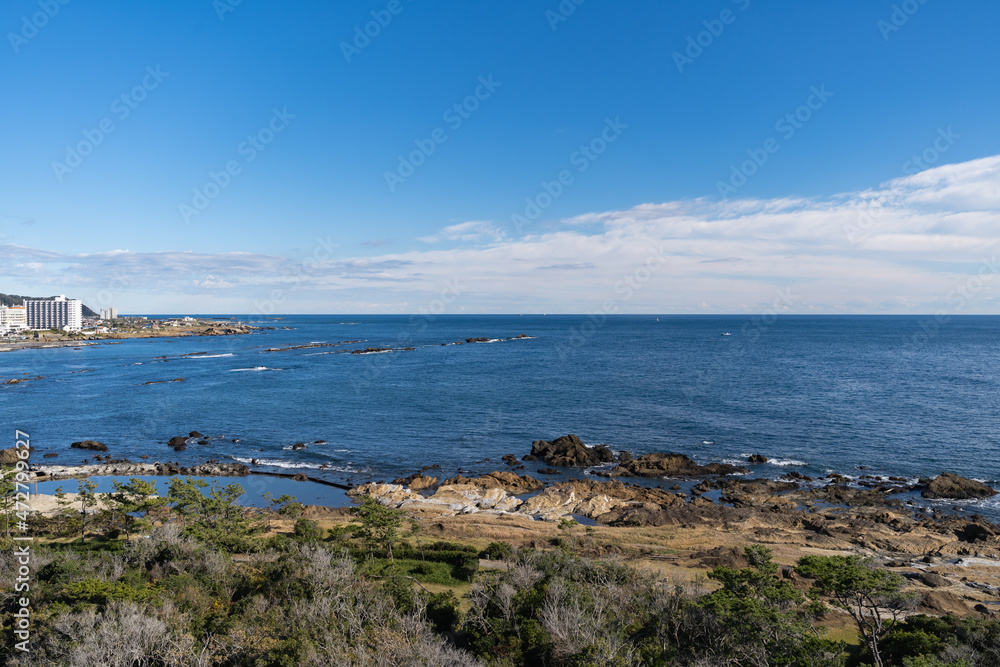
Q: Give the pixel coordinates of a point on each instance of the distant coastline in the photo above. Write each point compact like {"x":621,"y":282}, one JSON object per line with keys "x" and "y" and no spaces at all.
{"x":35,"y":340}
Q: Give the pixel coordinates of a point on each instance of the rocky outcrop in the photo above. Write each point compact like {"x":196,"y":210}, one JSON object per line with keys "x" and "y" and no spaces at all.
{"x":594,"y":500}
{"x":417,"y":482}
{"x":756,"y":458}
{"x":92,"y":445}
{"x":513,"y":484}
{"x":569,"y":451}
{"x":670,"y":465}
{"x":951,"y":486}
{"x":9,"y":457}
{"x":179,"y":442}
{"x":449,"y":500}
{"x":752,"y":492}
{"x":47,"y":473}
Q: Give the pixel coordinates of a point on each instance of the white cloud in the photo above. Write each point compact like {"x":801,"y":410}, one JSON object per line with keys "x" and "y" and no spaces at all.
{"x":475,"y":230}
{"x":903,"y":246}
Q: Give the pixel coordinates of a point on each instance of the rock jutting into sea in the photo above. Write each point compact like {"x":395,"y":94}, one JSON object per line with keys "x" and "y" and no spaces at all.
{"x":669,"y":465}
{"x":125,"y":467}
{"x":90,"y":445}
{"x":569,"y":451}
{"x":951,"y":486}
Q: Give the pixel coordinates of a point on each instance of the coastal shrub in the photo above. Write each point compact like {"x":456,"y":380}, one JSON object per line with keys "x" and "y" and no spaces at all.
{"x":497,"y":551}
{"x":306,"y":530}
{"x":215,"y":518}
{"x":463,"y":564}
{"x":122,"y":635}
{"x":976,"y":641}
{"x":872,"y":596}
{"x":762,"y":618}
{"x":101,"y":593}
{"x":379,"y":524}
{"x":443,"y":611}
{"x":63,"y":570}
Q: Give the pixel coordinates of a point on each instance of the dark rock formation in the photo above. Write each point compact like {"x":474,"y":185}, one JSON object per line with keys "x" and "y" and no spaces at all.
{"x":509,"y":459}
{"x":195,"y":434}
{"x":299,"y":446}
{"x":756,"y":458}
{"x":179,"y":442}
{"x":50,"y":455}
{"x":953,"y":487}
{"x":670,"y":465}
{"x":548,"y":471}
{"x":91,"y":445}
{"x":569,"y":450}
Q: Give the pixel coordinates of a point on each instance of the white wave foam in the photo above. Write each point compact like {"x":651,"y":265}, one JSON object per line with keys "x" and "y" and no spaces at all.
{"x":208,"y":356}
{"x":707,"y":442}
{"x":786,"y":462}
{"x":255,"y":368}
{"x":294,"y":465}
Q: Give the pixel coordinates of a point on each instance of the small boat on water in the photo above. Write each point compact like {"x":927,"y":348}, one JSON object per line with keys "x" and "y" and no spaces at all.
{"x":726,"y":333}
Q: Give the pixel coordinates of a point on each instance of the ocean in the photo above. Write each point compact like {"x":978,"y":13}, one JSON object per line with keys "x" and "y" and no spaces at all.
{"x":897,"y":395}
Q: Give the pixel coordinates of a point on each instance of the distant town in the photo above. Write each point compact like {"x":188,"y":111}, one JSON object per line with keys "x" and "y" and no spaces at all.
{"x":58,"y":319}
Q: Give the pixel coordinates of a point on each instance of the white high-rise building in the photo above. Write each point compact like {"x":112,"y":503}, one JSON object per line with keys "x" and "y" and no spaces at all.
{"x":109,"y":313}
{"x":13,"y":318}
{"x":57,"y":313}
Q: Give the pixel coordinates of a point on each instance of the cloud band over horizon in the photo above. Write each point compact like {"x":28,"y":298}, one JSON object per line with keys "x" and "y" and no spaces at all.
{"x":923,"y":243}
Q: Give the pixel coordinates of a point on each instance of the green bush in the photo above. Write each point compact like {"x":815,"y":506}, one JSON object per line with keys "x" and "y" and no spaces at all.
{"x":443,"y":611}
{"x":306,"y":530}
{"x":99,"y":592}
{"x":497,"y":551}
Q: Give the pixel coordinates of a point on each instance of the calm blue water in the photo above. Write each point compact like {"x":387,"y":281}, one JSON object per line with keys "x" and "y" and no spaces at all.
{"x":816,"y":394}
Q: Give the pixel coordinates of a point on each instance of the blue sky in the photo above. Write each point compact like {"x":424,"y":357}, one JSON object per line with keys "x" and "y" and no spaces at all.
{"x":311,"y":224}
